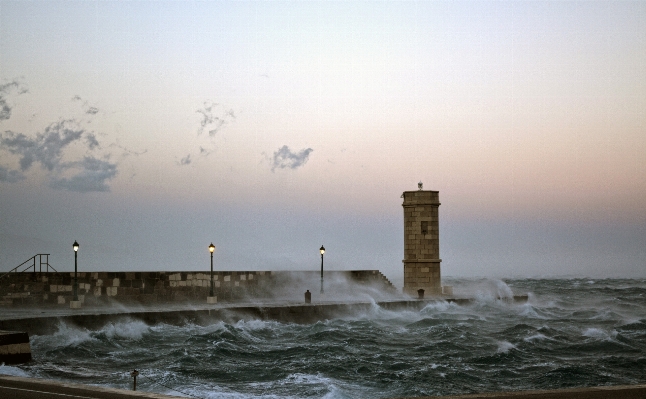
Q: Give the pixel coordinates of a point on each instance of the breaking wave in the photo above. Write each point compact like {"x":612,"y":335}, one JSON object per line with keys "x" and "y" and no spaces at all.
{"x":571,"y":333}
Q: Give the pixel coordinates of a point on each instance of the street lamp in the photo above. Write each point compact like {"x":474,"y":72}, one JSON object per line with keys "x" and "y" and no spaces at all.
{"x":75,"y":301}
{"x":322,"y":249}
{"x":211,"y":298}
{"x":211,"y":250}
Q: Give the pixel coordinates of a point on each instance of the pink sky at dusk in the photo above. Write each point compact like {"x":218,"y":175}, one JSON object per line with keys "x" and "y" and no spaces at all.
{"x":272,"y":127}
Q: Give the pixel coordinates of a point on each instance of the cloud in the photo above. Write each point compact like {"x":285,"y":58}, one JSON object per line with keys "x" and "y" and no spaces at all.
{"x":10,"y":176}
{"x":48,"y":149}
{"x":5,"y":90}
{"x":284,"y":158}
{"x":213,"y":118}
{"x":88,"y":109}
{"x":91,"y":175}
{"x":91,"y":141}
{"x":127,"y":152}
{"x":186,"y":160}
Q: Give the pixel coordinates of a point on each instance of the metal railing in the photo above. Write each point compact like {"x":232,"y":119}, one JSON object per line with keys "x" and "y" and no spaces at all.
{"x":33,"y":264}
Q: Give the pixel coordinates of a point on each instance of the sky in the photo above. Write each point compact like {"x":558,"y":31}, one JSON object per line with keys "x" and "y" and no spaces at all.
{"x":148,"y":129}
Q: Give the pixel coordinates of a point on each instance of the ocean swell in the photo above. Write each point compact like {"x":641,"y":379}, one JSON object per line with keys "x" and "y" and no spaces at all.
{"x":571,"y":333}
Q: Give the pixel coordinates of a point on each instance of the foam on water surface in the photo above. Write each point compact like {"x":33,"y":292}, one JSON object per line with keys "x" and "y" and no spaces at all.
{"x":570,"y":333}
{"x":13,"y":371}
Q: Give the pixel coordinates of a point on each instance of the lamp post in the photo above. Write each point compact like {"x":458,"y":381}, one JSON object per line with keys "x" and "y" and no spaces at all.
{"x":322,"y":249}
{"x":211,"y":298}
{"x":211,"y":250}
{"x":75,"y":303}
{"x":76,"y":282}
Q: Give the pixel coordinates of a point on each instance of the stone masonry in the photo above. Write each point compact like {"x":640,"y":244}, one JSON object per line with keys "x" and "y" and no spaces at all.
{"x":421,"y":242}
{"x":104,"y":288}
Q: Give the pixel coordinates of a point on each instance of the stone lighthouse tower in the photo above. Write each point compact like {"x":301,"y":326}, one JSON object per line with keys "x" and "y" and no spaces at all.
{"x":421,"y":242}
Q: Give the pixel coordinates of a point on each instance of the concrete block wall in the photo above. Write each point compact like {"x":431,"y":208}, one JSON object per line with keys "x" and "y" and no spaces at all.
{"x":14,"y":347}
{"x":102,"y":288}
{"x":421,"y":242}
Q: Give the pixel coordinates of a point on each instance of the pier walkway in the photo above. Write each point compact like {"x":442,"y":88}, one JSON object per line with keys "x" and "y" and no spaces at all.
{"x":34,"y":388}
{"x":46,"y":320}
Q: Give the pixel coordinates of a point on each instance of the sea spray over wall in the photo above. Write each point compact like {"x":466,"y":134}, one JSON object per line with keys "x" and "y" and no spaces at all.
{"x":571,"y":334}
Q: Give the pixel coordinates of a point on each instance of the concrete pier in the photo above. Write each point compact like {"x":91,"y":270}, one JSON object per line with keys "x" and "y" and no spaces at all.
{"x":45,"y":321}
{"x":35,"y":388}
{"x":14,"y":347}
{"x":616,"y":392}
{"x":171,"y":287}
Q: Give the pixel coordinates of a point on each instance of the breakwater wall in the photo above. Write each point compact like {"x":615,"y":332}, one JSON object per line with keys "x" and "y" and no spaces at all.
{"x":36,"y":387}
{"x":602,"y":392}
{"x":14,"y":347}
{"x":105,"y":288}
{"x":43,"y":323}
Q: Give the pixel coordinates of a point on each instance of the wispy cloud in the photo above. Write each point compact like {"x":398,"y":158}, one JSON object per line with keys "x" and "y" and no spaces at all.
{"x":186,"y":160}
{"x":5,"y":90}
{"x":48,"y":149}
{"x":70,"y":155}
{"x":284,"y":158}
{"x":87,"y":108}
{"x":213,"y":118}
{"x":10,"y":176}
{"x":90,"y":174}
{"x":125,"y":152}
{"x":91,"y":141}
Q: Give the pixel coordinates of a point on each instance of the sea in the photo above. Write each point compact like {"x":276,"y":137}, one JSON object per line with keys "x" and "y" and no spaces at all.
{"x":570,"y":333}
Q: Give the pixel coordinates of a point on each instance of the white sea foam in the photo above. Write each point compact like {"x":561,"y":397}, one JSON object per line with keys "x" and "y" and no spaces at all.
{"x":132,"y":330}
{"x":64,"y":337}
{"x":527,"y":310}
{"x":535,"y":337}
{"x":503,"y":290}
{"x":384,"y":316}
{"x":455,"y":334}
{"x":222,"y":394}
{"x":256,"y":325}
{"x":248,"y":329}
{"x":300,"y":380}
{"x":436,"y":307}
{"x":505,"y":346}
{"x":71,"y":336}
{"x":13,"y":371}
{"x":190,"y":328}
{"x":595,"y":333}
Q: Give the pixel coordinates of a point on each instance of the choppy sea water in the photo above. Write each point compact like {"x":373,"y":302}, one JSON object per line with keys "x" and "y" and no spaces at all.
{"x":571,"y":333}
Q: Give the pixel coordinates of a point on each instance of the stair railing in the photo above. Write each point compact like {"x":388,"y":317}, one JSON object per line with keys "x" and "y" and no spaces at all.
{"x":32,"y":260}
